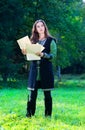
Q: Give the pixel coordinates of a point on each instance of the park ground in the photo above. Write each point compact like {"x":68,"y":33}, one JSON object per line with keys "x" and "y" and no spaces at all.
{"x":68,"y":106}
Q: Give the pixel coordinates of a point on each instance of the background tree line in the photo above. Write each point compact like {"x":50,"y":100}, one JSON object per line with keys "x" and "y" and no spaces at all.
{"x":65,"y":20}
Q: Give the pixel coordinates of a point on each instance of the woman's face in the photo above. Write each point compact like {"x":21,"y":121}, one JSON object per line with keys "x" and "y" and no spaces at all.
{"x":40,"y":28}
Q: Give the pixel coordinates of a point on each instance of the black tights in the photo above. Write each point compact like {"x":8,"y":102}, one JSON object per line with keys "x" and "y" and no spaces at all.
{"x":31,"y":104}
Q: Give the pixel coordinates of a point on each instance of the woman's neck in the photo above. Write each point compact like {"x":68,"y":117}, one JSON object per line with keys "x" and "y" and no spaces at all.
{"x":41,"y":36}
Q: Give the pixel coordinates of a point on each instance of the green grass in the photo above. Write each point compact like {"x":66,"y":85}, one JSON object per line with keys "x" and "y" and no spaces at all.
{"x":68,"y":109}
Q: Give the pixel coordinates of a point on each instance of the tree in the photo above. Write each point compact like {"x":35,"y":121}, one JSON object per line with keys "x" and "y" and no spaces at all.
{"x":65,"y":20}
{"x":10,"y":21}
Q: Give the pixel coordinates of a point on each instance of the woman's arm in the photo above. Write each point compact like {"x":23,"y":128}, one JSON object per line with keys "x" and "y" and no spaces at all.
{"x":53,"y":51}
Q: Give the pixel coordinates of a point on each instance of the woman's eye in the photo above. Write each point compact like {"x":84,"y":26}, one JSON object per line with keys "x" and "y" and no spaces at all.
{"x":38,"y":26}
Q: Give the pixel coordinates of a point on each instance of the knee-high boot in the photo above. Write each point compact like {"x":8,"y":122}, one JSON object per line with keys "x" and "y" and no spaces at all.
{"x":28,"y":114}
{"x":48,"y":107}
{"x":31,"y":106}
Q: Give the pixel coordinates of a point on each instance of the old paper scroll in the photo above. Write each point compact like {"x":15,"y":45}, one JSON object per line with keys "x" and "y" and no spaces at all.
{"x":31,"y":49}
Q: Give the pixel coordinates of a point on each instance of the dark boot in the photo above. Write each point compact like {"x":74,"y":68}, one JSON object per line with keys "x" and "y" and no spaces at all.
{"x":31,"y":104}
{"x":28,"y":114}
{"x":48,"y":107}
{"x":31,"y":107}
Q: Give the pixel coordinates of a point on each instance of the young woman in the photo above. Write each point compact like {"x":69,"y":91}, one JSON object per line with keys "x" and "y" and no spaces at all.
{"x":41,"y":72}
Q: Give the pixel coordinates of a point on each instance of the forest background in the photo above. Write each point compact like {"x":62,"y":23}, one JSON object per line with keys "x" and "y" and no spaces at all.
{"x":66,"y":22}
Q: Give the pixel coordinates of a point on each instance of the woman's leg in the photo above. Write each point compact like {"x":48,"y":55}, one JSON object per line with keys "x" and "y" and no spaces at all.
{"x":48,"y":103}
{"x":31,"y":104}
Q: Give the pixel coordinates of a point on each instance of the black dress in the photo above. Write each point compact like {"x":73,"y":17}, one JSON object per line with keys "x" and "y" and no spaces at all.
{"x":46,"y":71}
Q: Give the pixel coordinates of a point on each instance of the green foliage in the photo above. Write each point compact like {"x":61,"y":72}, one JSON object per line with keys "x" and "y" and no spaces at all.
{"x":10,"y":21}
{"x":70,"y":38}
{"x":68,"y":81}
{"x":65,"y":20}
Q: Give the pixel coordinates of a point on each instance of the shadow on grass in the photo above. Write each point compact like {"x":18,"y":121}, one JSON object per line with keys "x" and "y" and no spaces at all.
{"x":13,"y":84}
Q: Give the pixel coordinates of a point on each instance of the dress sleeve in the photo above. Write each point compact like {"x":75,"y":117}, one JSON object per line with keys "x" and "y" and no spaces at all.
{"x":53,"y":51}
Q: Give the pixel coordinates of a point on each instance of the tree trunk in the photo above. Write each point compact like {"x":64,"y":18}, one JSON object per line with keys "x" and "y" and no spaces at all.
{"x":59,"y":73}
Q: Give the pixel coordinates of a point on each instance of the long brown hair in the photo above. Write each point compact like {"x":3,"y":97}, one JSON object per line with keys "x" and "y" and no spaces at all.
{"x":35,"y":36}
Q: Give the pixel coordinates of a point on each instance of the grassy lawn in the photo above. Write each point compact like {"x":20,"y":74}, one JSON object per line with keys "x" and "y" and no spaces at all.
{"x":68,"y":108}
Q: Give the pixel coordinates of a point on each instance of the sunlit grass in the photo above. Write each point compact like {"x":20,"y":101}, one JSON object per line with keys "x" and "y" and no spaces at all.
{"x":68,"y":106}
{"x":68,"y":109}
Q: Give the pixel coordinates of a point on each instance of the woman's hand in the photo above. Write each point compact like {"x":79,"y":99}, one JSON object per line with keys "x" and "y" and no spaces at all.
{"x":24,"y":51}
{"x":39,"y":54}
